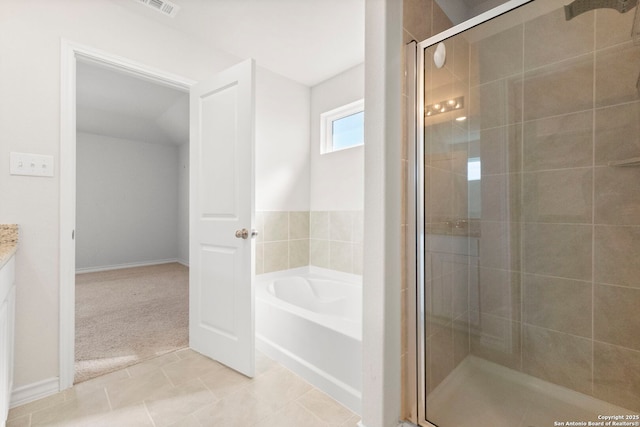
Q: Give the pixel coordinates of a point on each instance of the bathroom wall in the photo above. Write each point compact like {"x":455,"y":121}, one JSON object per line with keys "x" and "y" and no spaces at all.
{"x":282,"y":143}
{"x":30,"y":122}
{"x":128,"y":200}
{"x":315,"y":213}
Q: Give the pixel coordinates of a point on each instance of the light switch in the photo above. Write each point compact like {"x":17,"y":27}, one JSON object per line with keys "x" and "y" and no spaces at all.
{"x":31,"y":164}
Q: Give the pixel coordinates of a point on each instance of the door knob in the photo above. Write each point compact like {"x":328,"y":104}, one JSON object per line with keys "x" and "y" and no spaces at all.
{"x":242,"y":234}
{"x":245,"y":234}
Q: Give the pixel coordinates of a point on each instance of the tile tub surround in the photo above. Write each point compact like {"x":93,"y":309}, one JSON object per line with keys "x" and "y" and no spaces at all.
{"x":292,"y":239}
{"x":8,"y":241}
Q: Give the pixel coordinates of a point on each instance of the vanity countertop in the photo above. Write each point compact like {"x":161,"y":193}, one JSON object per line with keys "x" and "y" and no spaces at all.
{"x":8,"y":242}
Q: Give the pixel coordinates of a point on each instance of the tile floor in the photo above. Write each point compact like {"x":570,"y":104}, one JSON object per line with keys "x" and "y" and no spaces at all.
{"x":187,"y":389}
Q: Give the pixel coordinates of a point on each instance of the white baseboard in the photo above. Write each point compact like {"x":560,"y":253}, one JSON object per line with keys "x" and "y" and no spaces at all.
{"x":183,"y":262}
{"x":38,"y":390}
{"x":127,"y":265}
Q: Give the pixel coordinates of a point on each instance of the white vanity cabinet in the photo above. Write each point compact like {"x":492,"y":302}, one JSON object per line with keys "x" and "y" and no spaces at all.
{"x":7,"y":327}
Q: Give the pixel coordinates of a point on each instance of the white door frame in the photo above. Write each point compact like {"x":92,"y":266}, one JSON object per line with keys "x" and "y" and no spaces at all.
{"x":70,"y":53}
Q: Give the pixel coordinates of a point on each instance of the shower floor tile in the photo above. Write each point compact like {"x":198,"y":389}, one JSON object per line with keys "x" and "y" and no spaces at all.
{"x":480,"y":393}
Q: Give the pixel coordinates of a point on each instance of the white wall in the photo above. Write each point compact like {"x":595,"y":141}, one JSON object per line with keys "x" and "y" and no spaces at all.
{"x":30,"y":37}
{"x":337,"y":179}
{"x":381,"y":332}
{"x":183,"y":204}
{"x":282,"y":143}
{"x":127,"y":202}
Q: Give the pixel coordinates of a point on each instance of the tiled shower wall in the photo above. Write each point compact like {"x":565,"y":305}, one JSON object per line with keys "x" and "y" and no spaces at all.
{"x":553,"y":281}
{"x":327,"y":239}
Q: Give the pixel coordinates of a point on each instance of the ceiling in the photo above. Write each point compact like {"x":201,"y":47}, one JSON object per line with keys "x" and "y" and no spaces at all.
{"x":307,"y":41}
{"x":122,"y":106}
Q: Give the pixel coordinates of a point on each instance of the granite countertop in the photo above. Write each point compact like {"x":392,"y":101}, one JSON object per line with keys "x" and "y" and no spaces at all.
{"x":8,"y":242}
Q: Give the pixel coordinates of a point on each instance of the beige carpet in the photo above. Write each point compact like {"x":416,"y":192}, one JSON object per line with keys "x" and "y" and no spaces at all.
{"x":126,"y":316}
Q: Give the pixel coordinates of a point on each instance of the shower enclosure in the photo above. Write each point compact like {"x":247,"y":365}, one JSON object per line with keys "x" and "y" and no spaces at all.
{"x":528,"y":218}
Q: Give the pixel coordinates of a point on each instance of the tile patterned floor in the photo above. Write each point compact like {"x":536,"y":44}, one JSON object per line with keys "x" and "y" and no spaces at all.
{"x":185,"y":389}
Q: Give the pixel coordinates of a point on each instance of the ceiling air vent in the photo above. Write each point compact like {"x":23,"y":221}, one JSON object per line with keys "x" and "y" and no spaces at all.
{"x":163,"y":6}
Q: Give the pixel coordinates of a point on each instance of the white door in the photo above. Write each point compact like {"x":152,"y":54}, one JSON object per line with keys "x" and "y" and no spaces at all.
{"x":221,"y":319}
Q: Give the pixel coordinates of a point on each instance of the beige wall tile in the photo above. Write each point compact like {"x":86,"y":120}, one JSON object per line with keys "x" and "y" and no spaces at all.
{"x":617,"y":135}
{"x":560,"y":196}
{"x":498,"y":293}
{"x":498,"y":103}
{"x":617,"y":200}
{"x":341,"y":226}
{"x":319,"y":225}
{"x":298,"y":253}
{"x":617,"y":74}
{"x":501,"y":197}
{"x":561,"y":250}
{"x":497,"y":56}
{"x":461,"y":345}
{"x":612,"y":27}
{"x":542,"y":36}
{"x":440,"y":21}
{"x":560,"y":304}
{"x":276,"y":226}
{"x":558,"y":142}
{"x":358,"y":227}
{"x":616,"y":319}
{"x":562,"y":88}
{"x":319,"y":253}
{"x":496,"y":339}
{"x":441,"y":355}
{"x":616,"y":255}
{"x":259,"y":258}
{"x":501,"y":149}
{"x":341,"y":256}
{"x":358,"y":258}
{"x":416,"y":18}
{"x":461,"y":53}
{"x":500,"y":245}
{"x":298,"y":225}
{"x":276,"y":256}
{"x":568,"y":365}
{"x":617,"y":375}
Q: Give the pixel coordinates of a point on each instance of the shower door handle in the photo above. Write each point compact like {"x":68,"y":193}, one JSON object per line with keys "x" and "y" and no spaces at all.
{"x":245,"y":234}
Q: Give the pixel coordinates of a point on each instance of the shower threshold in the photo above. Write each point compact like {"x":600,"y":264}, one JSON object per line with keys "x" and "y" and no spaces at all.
{"x":482,"y":393}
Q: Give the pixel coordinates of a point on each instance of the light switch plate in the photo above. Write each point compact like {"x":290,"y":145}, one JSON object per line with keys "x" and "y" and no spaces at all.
{"x":31,"y":164}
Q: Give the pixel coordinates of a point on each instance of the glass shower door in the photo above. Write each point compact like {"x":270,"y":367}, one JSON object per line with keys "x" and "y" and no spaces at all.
{"x":531,"y":168}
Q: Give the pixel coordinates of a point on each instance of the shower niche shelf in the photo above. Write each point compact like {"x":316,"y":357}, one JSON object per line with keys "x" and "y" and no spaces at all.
{"x":633,"y":161}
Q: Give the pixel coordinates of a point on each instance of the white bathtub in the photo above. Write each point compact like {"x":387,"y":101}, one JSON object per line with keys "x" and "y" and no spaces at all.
{"x":310,"y":320}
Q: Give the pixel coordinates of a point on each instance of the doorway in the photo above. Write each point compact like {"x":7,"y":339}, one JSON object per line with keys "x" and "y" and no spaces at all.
{"x":76,"y":57}
{"x":221,"y":140}
{"x":132,"y":226}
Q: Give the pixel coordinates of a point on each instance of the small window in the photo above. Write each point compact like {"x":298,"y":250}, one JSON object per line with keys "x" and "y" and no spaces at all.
{"x":342,"y":127}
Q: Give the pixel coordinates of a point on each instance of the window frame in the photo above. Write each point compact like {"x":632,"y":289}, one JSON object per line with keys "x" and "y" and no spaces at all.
{"x":326,"y":125}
